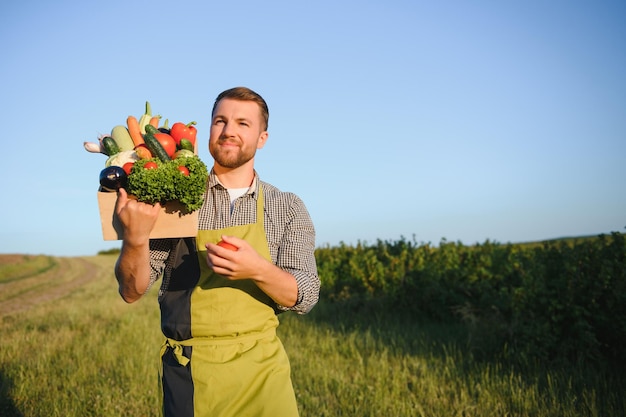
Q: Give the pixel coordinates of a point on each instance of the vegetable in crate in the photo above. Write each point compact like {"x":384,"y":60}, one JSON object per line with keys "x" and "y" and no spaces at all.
{"x":150,"y":164}
{"x":180,"y":131}
{"x":134,"y":130}
{"x":120,"y":158}
{"x":165,"y":128}
{"x":145,"y":119}
{"x":167,"y":182}
{"x":151,"y":139}
{"x":109,"y":145}
{"x":165,"y":140}
{"x":113,"y":178}
{"x":121,"y":136}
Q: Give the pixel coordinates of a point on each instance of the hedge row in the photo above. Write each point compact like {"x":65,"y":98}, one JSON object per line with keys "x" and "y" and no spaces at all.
{"x":563,"y":299}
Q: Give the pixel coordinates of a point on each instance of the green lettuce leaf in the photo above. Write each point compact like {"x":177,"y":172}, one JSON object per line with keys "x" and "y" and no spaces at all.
{"x":168,"y":183}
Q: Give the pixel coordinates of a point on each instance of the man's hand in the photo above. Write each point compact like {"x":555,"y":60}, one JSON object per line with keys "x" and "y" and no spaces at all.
{"x":132,"y":269}
{"x":247,"y":263}
{"x":238,"y":260}
{"x":137,"y":218}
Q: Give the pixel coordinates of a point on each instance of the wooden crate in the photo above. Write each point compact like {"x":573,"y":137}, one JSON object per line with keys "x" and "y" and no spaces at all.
{"x":173,"y":221}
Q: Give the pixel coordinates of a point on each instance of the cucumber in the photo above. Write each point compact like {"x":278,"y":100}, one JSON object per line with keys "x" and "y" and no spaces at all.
{"x":153,"y":144}
{"x":186,"y":144}
{"x":110,"y":146}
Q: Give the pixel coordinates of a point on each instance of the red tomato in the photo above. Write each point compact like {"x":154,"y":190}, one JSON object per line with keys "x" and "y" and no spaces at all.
{"x":226,"y":245}
{"x":127,"y":167}
{"x":151,"y":165}
{"x":184,"y":170}
{"x":167,"y":142}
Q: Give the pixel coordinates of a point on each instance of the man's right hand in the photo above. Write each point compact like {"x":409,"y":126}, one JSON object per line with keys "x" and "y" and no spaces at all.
{"x":137,"y":219}
{"x":132,"y":269}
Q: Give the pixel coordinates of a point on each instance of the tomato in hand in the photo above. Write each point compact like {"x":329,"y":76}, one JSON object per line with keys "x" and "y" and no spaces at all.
{"x":227,"y":245}
{"x":184,"y":170}
{"x":127,"y":167}
{"x":151,"y":165}
{"x":167,"y":142}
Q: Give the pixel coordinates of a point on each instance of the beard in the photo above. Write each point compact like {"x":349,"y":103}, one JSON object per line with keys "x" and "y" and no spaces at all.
{"x":232,"y":157}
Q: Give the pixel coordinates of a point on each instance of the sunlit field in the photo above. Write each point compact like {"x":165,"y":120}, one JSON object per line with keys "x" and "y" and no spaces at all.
{"x":76,"y":349}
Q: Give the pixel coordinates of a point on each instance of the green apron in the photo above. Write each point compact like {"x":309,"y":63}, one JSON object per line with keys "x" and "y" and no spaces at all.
{"x":233,"y":364}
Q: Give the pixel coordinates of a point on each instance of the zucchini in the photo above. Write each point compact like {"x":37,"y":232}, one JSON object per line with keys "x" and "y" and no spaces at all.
{"x":121,"y":136}
{"x":153,"y":144}
{"x":110,"y":146}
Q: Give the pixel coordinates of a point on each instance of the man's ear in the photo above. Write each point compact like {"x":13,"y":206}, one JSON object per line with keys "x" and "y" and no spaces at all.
{"x":262,"y":139}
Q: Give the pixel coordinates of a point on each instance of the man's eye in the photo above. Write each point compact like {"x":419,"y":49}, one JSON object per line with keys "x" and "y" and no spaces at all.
{"x":218,"y":121}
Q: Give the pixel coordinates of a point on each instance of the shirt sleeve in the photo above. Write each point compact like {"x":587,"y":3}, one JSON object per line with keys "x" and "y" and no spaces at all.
{"x":159,"y":253}
{"x":296,"y":255}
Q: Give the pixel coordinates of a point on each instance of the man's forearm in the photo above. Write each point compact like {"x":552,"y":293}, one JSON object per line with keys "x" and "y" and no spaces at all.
{"x":132,"y":271}
{"x":280,"y":285}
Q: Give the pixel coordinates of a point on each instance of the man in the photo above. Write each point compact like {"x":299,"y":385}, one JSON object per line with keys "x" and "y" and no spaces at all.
{"x":219,"y":306}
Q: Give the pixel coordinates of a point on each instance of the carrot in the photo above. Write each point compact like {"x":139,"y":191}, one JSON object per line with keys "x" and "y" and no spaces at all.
{"x":154,"y":121}
{"x":133,"y":129}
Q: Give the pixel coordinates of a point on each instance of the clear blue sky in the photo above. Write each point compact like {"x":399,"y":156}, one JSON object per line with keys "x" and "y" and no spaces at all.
{"x":463,"y":120}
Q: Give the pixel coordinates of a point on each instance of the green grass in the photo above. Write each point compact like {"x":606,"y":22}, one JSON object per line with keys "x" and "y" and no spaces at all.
{"x":383,"y":364}
{"x":90,"y":354}
{"x":21,"y":266}
{"x":85,"y":354}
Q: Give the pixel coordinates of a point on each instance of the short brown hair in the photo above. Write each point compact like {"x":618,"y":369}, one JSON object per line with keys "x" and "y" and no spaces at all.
{"x":245,"y":94}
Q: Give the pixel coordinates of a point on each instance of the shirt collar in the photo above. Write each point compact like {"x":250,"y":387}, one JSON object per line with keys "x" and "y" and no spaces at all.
{"x":214,"y":181}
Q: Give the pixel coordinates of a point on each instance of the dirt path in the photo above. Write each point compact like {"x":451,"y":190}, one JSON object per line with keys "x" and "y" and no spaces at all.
{"x":64,"y":277}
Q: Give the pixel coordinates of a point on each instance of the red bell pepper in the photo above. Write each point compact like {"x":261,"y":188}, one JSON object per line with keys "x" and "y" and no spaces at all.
{"x":188,"y":131}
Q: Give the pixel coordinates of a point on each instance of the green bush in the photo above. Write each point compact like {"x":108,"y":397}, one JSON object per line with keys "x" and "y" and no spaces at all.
{"x":562,"y":300}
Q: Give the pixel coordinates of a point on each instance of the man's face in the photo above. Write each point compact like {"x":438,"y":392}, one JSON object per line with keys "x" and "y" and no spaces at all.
{"x":236,"y":132}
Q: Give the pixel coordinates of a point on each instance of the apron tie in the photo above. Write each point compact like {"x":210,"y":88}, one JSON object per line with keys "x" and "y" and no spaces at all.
{"x":177,"y":350}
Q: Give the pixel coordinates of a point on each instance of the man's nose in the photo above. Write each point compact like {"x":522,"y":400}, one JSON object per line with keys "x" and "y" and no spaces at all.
{"x":228,"y":130}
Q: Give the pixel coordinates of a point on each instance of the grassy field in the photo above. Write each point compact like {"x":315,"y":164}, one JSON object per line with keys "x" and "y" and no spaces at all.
{"x":71,"y":347}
